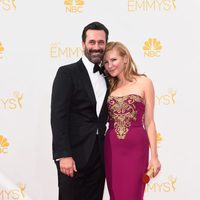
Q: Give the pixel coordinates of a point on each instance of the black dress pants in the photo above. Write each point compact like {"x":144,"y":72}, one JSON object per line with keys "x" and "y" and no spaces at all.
{"x":87,"y":184}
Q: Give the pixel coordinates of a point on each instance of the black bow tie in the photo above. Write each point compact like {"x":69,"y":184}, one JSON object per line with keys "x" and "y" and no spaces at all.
{"x":97,"y":68}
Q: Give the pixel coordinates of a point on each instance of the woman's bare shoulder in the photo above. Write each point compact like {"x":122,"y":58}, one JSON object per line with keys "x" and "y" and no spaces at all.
{"x":144,"y":80}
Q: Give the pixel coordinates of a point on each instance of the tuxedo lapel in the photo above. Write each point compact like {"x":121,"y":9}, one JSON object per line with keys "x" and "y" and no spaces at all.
{"x":85,"y":79}
{"x":104,"y":105}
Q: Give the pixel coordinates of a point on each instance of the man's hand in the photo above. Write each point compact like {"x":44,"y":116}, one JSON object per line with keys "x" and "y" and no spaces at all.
{"x":68,"y":166}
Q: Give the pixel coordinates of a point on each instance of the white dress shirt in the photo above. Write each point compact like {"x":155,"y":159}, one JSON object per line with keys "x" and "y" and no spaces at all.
{"x":98,"y":83}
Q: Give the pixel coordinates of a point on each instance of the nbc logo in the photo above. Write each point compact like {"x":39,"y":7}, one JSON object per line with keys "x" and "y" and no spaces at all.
{"x":1,"y":50}
{"x":74,"y":6}
{"x":7,"y":5}
{"x":3,"y":144}
{"x":152,"y":47}
{"x":151,"y":5}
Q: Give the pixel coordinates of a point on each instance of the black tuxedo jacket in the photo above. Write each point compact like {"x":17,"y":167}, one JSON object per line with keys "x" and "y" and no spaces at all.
{"x":74,"y":120}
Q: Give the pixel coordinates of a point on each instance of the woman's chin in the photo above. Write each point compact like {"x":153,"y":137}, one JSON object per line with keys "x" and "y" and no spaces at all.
{"x":113,"y":75}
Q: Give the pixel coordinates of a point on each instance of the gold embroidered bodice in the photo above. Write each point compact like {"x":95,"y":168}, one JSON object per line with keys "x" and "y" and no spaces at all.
{"x":125,"y":112}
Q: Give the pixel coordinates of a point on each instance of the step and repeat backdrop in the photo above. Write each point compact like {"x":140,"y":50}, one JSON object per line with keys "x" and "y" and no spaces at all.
{"x":36,"y":37}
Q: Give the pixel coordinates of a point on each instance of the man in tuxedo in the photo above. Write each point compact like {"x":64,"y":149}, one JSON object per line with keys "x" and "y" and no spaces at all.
{"x":78,"y":119}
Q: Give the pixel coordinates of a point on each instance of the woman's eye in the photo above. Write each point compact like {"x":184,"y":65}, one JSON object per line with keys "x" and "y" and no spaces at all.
{"x":105,"y":62}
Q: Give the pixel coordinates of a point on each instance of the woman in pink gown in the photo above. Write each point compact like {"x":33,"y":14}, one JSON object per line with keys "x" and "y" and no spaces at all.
{"x":131,"y":128}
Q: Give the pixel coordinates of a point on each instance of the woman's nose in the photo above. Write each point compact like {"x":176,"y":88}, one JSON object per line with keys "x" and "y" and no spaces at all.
{"x":109,"y":65}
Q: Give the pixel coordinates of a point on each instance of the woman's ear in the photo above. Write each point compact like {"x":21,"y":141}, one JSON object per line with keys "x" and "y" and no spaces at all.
{"x":125,"y":59}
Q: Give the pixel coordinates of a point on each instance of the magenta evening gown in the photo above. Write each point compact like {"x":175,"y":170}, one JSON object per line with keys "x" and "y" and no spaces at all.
{"x":126,"y":148}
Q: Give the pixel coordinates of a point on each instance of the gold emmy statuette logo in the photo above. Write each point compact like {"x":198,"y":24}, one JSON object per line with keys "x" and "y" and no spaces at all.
{"x":18,"y":97}
{"x":74,"y":6}
{"x":22,"y":188}
{"x":3,"y":144}
{"x":1,"y":50}
{"x":7,"y":5}
{"x":168,"y":185}
{"x":151,"y":5}
{"x":56,"y":51}
{"x":152,"y":47}
{"x":166,"y":99}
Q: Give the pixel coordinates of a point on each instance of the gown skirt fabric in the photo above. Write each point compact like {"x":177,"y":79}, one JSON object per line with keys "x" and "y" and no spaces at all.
{"x":126,"y":148}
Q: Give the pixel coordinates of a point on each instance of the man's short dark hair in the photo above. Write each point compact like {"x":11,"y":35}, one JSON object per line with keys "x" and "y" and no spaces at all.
{"x":94,"y":26}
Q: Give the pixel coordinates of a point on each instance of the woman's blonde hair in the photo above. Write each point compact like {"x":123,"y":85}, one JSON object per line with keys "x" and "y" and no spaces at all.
{"x":130,"y":68}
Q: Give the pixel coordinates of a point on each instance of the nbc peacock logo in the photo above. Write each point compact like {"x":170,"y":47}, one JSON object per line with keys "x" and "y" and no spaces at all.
{"x":7,"y":5}
{"x":152,"y":48}
{"x":4,"y":144}
{"x":2,"y":49}
{"x":74,"y":6}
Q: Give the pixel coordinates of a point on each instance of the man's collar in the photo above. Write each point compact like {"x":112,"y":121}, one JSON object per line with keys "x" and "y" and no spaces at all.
{"x":89,"y":65}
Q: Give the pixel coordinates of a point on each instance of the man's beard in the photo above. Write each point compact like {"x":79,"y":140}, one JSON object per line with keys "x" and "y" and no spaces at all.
{"x":96,"y":59}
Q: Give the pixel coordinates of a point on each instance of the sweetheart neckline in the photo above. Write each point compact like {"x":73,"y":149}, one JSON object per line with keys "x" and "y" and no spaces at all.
{"x":127,"y":95}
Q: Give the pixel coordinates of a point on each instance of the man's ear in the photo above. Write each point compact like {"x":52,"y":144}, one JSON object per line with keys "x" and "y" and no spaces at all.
{"x":83,"y":45}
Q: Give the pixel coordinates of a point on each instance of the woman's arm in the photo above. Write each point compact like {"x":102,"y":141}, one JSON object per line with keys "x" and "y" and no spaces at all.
{"x":150,"y":124}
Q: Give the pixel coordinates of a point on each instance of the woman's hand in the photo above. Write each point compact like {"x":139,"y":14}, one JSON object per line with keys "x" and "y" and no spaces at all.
{"x":155,"y":164}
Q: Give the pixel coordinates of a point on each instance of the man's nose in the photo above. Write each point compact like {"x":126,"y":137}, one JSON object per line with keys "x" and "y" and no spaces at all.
{"x":96,"y":46}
